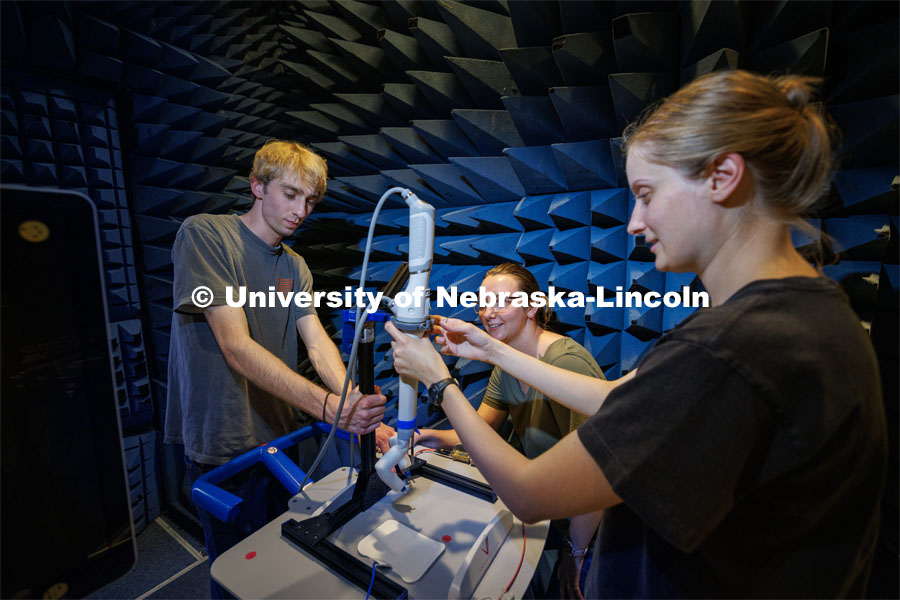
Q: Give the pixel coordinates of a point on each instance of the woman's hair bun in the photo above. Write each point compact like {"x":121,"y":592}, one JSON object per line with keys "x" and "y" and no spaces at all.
{"x":797,"y":89}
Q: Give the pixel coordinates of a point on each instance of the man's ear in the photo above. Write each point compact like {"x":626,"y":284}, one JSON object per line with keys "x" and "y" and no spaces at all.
{"x":257,"y":187}
{"x":725,"y":176}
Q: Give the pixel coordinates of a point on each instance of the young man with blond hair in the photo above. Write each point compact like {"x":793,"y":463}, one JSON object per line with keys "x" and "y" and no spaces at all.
{"x":233,"y":382}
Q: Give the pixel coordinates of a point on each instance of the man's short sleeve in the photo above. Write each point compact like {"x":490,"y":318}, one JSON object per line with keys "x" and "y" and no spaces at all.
{"x":678,"y":441}
{"x":200,"y":259}
{"x":493,"y":394}
{"x":303,"y":285}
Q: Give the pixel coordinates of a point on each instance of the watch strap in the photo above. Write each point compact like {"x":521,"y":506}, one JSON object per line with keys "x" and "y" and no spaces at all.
{"x":572,"y":550}
{"x":436,"y":393}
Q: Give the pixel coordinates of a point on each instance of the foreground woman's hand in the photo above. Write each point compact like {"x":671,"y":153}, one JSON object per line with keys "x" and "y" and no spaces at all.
{"x":416,"y":357}
{"x":463,"y":339}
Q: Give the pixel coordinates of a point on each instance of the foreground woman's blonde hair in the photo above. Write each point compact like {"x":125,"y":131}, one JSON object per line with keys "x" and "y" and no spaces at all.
{"x":785,"y":141}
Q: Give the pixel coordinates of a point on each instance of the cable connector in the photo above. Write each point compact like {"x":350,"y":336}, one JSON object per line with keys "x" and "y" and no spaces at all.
{"x":460,"y":456}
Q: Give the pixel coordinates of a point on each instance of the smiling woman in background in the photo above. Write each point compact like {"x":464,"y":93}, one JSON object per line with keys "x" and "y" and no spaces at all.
{"x":747,"y":456}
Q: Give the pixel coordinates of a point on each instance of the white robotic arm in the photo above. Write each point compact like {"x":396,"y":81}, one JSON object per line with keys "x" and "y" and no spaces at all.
{"x":413,"y":320}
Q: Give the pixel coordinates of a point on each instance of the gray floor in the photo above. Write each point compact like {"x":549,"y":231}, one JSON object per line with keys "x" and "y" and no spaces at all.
{"x":171,"y":564}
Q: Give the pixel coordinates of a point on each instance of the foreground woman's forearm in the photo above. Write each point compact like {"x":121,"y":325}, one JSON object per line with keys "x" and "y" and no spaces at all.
{"x":582,"y":393}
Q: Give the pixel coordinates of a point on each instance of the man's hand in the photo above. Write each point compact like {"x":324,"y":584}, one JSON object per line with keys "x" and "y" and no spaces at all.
{"x":361,"y":414}
{"x":462,"y":339}
{"x":416,"y":357}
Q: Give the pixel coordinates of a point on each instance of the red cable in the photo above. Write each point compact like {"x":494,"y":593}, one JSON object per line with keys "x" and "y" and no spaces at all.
{"x":420,"y":451}
{"x":521,"y":558}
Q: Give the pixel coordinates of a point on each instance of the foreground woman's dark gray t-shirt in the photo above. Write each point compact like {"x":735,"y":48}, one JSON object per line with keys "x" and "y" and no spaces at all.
{"x":749,"y":453}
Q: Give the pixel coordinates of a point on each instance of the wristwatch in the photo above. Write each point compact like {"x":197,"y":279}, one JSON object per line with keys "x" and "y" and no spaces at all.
{"x":570,"y":548}
{"x":436,"y":393}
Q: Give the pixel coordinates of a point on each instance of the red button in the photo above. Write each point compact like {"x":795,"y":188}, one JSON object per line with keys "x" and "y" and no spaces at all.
{"x":250,"y":555}
{"x":446,"y":539}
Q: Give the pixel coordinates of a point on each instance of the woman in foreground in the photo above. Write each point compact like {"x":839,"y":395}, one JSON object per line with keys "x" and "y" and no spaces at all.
{"x":747,"y":457}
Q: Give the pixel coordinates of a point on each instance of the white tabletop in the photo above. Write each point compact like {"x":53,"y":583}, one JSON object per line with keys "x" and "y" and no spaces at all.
{"x":265,"y":565}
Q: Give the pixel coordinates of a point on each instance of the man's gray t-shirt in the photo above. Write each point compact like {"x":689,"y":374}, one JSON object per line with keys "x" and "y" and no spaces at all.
{"x":213,"y":410}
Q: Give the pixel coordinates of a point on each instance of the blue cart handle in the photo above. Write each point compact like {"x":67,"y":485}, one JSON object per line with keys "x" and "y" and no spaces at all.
{"x":207,"y":494}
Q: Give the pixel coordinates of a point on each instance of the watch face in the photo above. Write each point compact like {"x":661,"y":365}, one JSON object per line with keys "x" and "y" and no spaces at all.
{"x":434,"y":392}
